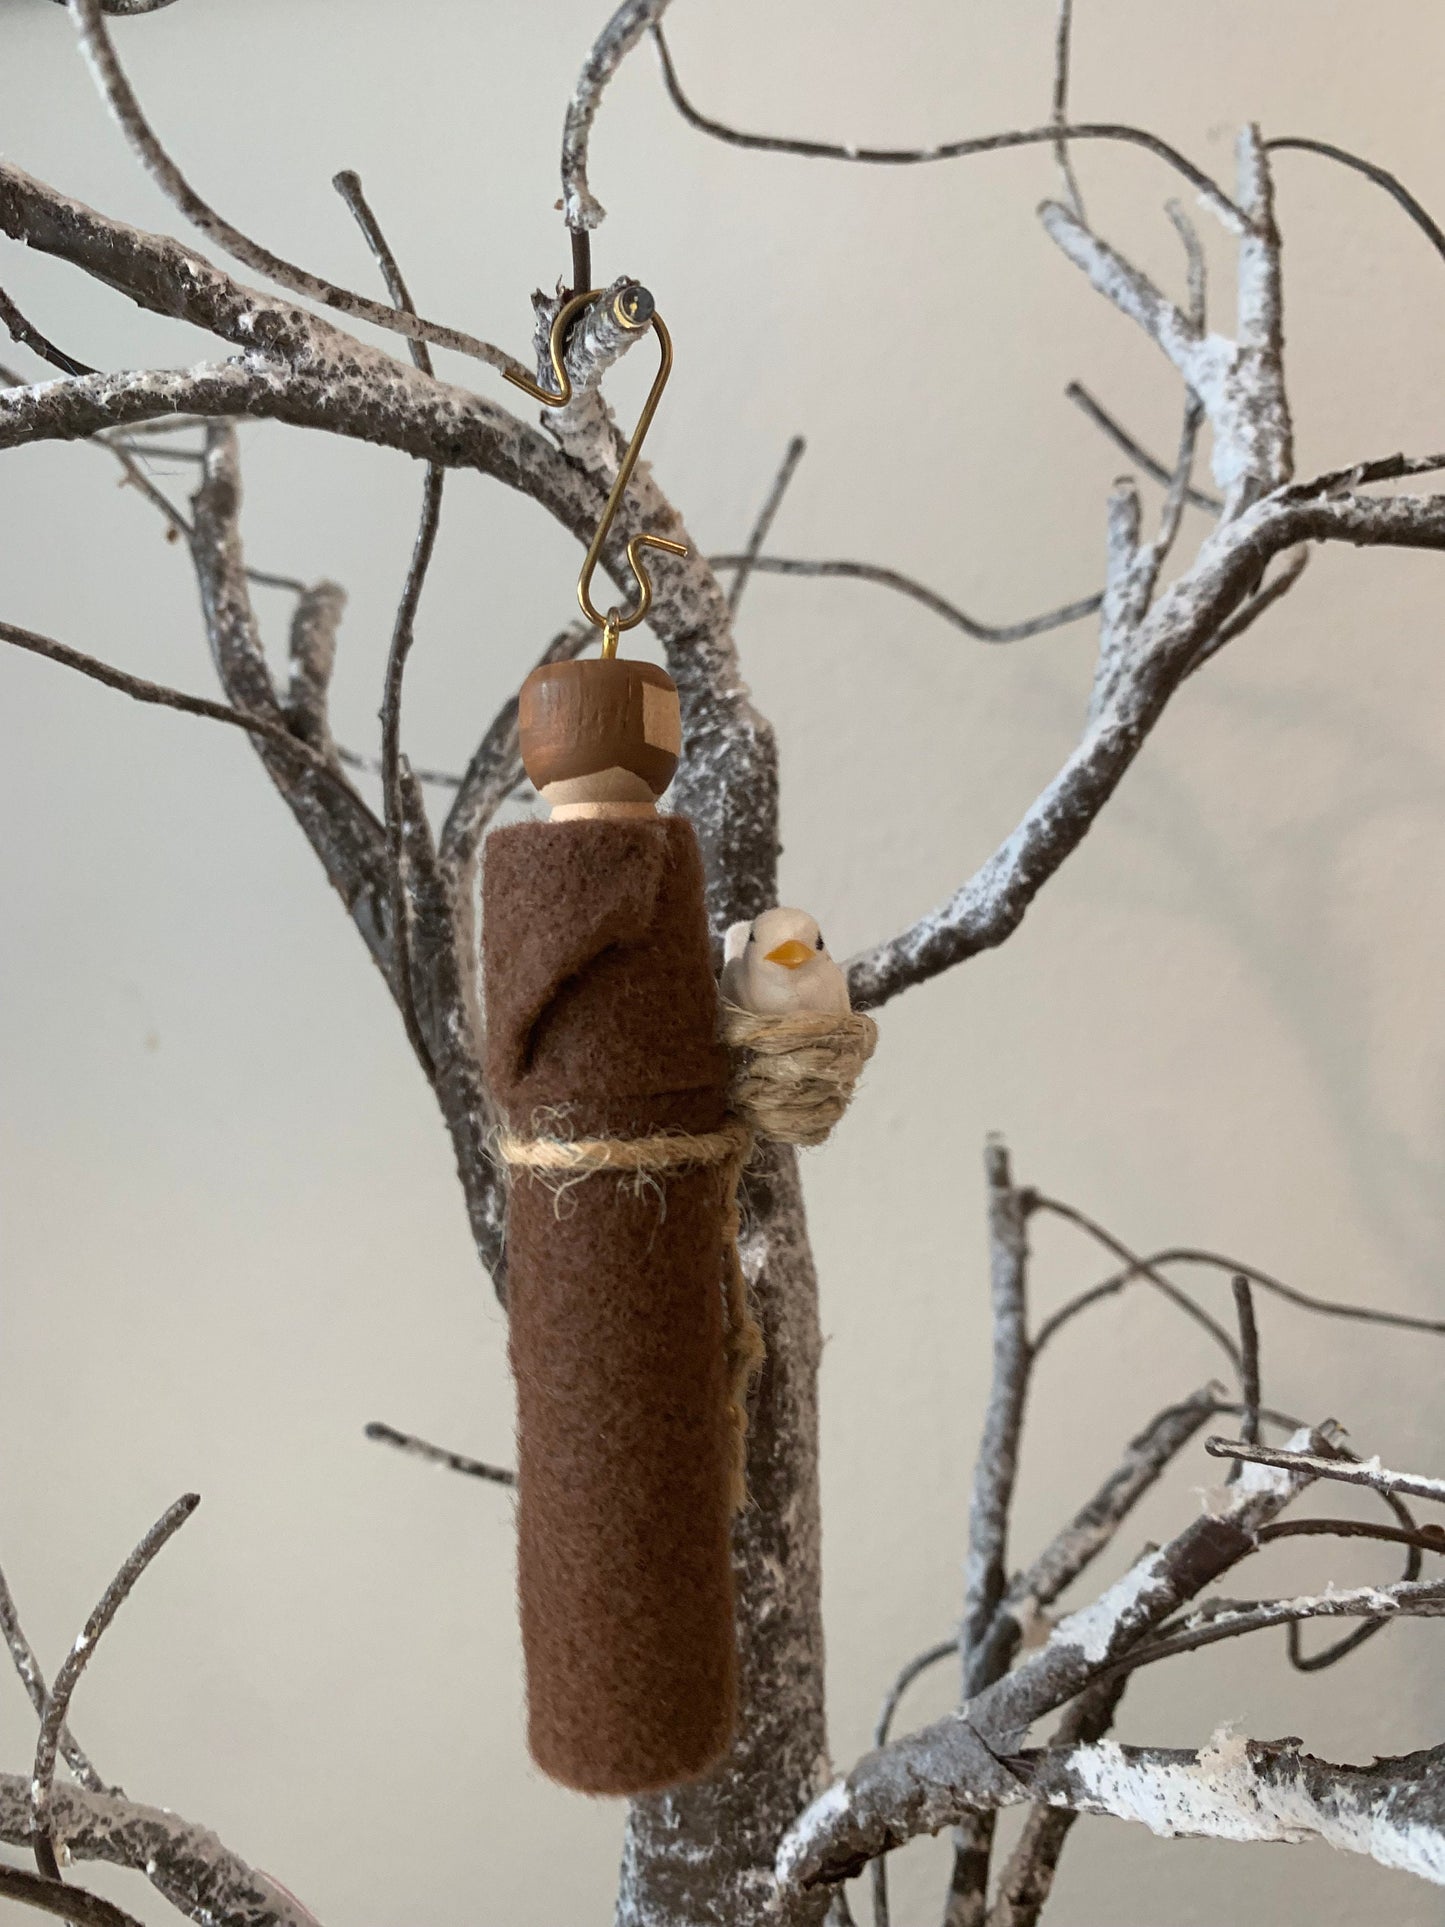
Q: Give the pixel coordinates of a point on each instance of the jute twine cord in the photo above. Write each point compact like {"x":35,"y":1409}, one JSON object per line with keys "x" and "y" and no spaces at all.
{"x":793,"y":1076}
{"x":574,"y":1158}
{"x":792,"y":1080}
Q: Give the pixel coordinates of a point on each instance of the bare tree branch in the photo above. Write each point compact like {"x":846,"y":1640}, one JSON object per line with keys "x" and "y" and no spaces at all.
{"x":959,"y":1765}
{"x":1367,"y":1472}
{"x":1138,"y":1268}
{"x":1424,"y":1598}
{"x":402,"y":637}
{"x":1157,"y":1261}
{"x":1249,"y":1363}
{"x":1063,"y":31}
{"x":1420,"y":1538}
{"x":1093,"y":1527}
{"x":906,"y":585}
{"x":1372,"y":171}
{"x":199,"y":1876}
{"x":120,"y":97}
{"x":142,"y":691}
{"x":77,"y":1906}
{"x":1270,"y":591}
{"x":124,"y":7}
{"x":1234,"y":218}
{"x":348,"y":185}
{"x":1234,"y":1789}
{"x":995,"y":1469}
{"x":992,"y":903}
{"x":439,"y":1454}
{"x":29,"y":336}
{"x":580,"y":207}
{"x":762,"y":528}
{"x":1121,"y":438}
{"x":57,"y":1704}
{"x":33,"y":1680}
{"x":1028,"y":1878}
{"x":311,"y":652}
{"x":347,"y":838}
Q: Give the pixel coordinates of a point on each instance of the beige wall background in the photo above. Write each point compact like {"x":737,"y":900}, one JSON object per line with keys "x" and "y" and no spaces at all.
{"x":231,"y":1233}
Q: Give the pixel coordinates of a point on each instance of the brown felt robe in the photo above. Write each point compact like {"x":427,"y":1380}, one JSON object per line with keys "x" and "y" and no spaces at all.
{"x":602,"y":1022}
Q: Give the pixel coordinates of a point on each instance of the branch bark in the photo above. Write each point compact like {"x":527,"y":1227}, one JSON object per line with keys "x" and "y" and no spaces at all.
{"x":959,"y":1765}
{"x":188,"y":1864}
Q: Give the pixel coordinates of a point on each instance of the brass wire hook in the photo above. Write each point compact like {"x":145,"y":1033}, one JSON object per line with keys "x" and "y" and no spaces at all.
{"x":632,"y":307}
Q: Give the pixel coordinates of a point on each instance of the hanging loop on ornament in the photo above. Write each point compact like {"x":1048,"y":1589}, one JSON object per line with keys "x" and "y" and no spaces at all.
{"x":633,"y":309}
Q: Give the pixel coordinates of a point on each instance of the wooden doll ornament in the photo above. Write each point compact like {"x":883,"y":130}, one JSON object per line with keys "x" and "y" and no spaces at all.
{"x":604,"y":1058}
{"x":630,"y":1336}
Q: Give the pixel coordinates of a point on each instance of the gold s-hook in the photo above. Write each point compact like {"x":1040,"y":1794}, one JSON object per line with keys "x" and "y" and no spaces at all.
{"x":632,"y":308}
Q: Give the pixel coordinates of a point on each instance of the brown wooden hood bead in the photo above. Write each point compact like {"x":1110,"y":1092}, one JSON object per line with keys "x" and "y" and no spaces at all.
{"x":579,"y":718}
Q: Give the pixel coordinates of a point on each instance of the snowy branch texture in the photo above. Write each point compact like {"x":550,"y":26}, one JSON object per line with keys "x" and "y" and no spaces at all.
{"x":764,"y":1838}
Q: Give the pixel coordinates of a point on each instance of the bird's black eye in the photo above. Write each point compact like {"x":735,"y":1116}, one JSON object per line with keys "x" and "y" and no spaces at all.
{"x":752,"y":936}
{"x":819,"y":944}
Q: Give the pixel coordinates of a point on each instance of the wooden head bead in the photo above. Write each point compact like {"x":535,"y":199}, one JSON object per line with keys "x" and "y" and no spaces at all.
{"x":601,"y":736}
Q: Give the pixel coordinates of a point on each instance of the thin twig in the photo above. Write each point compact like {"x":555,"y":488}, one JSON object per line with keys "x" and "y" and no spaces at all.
{"x":1339,"y":1649}
{"x":748,"y":561}
{"x":920,"y":1663}
{"x":158,"y":499}
{"x":403,"y":634}
{"x":1421,"y":1599}
{"x":52,"y":1724}
{"x":144,"y":691}
{"x":995,"y":1470}
{"x":1063,"y":33}
{"x":1093,"y":1527}
{"x":439,"y":1454}
{"x":29,"y":336}
{"x":1028,"y":1876}
{"x":1367,"y":1472}
{"x":1144,"y":1268}
{"x":581,"y":209}
{"x":32,"y":1678}
{"x":1249,"y":1390}
{"x":1265,"y":597}
{"x":1233,"y":216}
{"x":82,"y":1909}
{"x":1424,"y":1538}
{"x":1192,"y":1255}
{"x":1396,"y":189}
{"x":906,"y":585}
{"x":119,"y":95}
{"x":1122,"y":439}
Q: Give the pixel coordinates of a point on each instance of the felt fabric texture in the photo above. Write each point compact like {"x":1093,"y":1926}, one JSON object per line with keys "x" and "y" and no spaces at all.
{"x":602,"y":1022}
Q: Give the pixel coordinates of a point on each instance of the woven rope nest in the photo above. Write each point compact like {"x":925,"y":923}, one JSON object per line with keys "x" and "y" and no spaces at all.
{"x":793,"y":1076}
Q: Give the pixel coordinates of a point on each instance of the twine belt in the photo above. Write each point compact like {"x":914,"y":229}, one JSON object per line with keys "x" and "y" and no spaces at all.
{"x":578,"y":1158}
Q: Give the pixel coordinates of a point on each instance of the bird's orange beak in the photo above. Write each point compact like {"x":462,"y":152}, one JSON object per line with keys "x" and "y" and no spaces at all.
{"x":790,"y":954}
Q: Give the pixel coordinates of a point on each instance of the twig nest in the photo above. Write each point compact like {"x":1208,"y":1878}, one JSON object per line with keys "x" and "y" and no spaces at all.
{"x":793,"y":1076}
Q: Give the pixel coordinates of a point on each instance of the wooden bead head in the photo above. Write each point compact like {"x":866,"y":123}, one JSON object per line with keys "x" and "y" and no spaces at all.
{"x":600,"y":732}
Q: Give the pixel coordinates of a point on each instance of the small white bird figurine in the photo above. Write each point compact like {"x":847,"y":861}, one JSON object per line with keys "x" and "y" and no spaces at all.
{"x":778,"y":964}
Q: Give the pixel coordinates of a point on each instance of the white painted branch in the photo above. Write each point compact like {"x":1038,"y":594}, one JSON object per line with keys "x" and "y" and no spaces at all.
{"x":1201,"y":359}
{"x":1258,"y":406}
{"x":932,"y":1778}
{"x":1235,"y":1789}
{"x":1093,"y":1526}
{"x":188,"y":1864}
{"x":120,"y":97}
{"x":580,"y":207}
{"x":1187,"y":619}
{"x":1240,"y":384}
{"x":1368,"y":1472}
